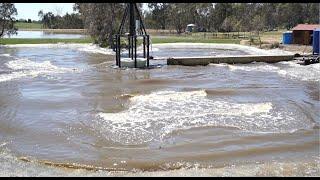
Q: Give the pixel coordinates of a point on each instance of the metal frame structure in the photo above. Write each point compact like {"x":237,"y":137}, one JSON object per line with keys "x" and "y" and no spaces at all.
{"x":133,"y":12}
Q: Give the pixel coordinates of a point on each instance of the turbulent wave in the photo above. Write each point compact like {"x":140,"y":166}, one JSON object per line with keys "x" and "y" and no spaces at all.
{"x":95,"y":49}
{"x":5,"y":55}
{"x":154,"y":116}
{"x":27,"y":68}
{"x":306,"y":73}
{"x":290,"y":69}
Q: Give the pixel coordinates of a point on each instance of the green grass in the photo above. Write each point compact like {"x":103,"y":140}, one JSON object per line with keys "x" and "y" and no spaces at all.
{"x":23,"y":25}
{"x":43,"y":41}
{"x":156,"y":40}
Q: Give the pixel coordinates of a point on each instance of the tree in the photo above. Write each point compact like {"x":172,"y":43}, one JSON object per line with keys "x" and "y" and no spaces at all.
{"x":101,"y":20}
{"x":221,"y":11}
{"x":179,"y":12}
{"x":258,"y":25}
{"x":68,"y":21}
{"x":7,"y":13}
{"x":228,"y":24}
{"x":40,"y":14}
{"x":159,"y":13}
{"x":203,"y":12}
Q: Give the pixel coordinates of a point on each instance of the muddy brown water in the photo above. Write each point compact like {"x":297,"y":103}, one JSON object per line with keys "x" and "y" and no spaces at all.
{"x":62,"y":105}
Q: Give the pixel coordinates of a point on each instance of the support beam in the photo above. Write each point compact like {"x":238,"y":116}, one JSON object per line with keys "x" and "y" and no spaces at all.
{"x":148,"y":44}
{"x":135,"y":51}
{"x":132,"y":12}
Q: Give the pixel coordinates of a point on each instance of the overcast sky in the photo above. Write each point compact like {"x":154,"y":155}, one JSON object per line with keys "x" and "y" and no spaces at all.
{"x":30,"y":10}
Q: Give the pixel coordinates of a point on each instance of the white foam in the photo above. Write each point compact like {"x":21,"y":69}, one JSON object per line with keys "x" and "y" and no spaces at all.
{"x":153,"y":116}
{"x":85,"y":47}
{"x":26,"y":68}
{"x":305,"y":73}
{"x":6,"y":55}
{"x":289,"y":69}
{"x":254,"y":67}
{"x":57,"y":45}
{"x":96,"y":49}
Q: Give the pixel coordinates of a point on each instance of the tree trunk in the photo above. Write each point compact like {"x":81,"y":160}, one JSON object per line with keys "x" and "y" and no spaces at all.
{"x":259,"y":39}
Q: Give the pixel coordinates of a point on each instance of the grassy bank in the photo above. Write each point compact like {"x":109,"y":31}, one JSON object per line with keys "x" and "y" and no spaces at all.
{"x":43,"y":41}
{"x":269,"y":36}
{"x":23,"y":25}
{"x":157,"y":40}
{"x":58,"y":31}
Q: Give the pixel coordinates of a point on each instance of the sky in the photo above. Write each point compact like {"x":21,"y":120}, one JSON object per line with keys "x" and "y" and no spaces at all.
{"x":30,"y":10}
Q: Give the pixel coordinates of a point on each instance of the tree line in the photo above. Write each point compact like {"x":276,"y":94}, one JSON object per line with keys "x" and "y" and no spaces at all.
{"x":228,"y":17}
{"x":101,"y":20}
{"x":68,"y":21}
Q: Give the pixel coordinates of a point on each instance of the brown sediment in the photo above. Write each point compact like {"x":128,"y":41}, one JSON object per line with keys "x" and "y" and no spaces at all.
{"x":125,"y":96}
{"x":220,"y":92}
{"x":253,"y":151}
{"x":71,"y":165}
{"x":157,"y":81}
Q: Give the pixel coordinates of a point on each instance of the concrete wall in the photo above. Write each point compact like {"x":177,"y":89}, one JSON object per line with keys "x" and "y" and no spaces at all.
{"x":194,"y":61}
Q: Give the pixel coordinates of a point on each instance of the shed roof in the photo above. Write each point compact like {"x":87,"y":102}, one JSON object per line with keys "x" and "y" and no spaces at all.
{"x":306,"y":27}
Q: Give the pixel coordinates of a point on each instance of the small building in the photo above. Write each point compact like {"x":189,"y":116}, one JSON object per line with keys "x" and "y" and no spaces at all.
{"x":316,"y":41}
{"x":287,"y":37}
{"x":302,"y":33}
{"x":191,"y":28}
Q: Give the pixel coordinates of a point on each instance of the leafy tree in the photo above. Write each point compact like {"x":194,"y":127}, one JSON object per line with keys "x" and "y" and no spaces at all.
{"x":258,"y":26}
{"x":159,"y":14}
{"x":228,"y":24}
{"x":7,"y":13}
{"x":68,"y":21}
{"x":101,"y":20}
{"x":203,"y":12}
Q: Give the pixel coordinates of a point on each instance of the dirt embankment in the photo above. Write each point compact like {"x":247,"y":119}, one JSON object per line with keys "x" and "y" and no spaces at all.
{"x":295,"y":48}
{"x":300,"y":49}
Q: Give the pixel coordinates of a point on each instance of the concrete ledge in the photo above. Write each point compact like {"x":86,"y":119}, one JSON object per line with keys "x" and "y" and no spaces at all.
{"x":205,"y":60}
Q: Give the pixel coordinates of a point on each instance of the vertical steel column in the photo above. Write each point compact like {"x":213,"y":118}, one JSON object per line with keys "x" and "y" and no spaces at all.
{"x":132,"y":48}
{"x":148,"y":50}
{"x":132,"y":19}
{"x":135,"y":51}
{"x":119,"y":51}
{"x":129,"y":48}
{"x":132,"y":12}
{"x":144,"y":47}
{"x":132,"y":28}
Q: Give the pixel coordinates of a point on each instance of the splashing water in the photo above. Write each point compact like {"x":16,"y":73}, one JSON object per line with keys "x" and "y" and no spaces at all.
{"x":152,"y":117}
